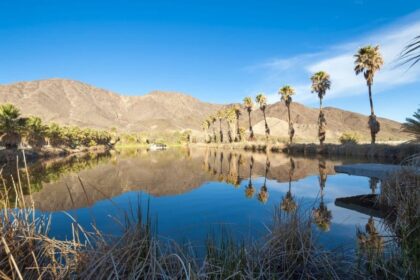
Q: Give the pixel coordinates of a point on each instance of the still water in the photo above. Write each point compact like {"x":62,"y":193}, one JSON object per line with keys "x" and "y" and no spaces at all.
{"x":194,"y":192}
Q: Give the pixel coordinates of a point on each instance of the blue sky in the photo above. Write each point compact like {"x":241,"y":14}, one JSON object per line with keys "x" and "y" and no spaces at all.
{"x":217,"y":51}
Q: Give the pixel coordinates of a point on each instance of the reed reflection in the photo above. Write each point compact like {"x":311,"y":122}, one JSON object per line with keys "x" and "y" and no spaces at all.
{"x":370,"y":242}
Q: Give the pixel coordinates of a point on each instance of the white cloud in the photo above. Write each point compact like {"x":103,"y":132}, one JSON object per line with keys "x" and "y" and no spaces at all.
{"x":338,"y":61}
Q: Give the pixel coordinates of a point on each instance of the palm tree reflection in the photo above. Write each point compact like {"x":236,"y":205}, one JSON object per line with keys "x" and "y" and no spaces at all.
{"x":221,"y":177}
{"x":288,"y":204}
{"x":214,"y":163}
{"x":322,"y":216}
{"x":373,"y":184}
{"x":249,"y":190}
{"x":263,"y":194}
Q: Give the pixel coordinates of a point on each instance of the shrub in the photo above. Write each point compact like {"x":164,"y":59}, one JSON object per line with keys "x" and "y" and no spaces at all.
{"x":349,"y":137}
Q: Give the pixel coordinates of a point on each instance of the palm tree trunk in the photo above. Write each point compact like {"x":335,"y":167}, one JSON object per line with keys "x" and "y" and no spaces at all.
{"x":373,"y":123}
{"x":321,"y":142}
{"x":220,"y":131}
{"x":238,"y":131}
{"x":290,"y":124}
{"x":251,"y":132}
{"x":267,"y":130}
{"x":370,"y":100}
{"x":229,"y":132}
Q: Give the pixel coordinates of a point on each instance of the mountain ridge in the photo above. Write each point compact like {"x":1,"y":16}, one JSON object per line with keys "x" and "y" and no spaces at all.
{"x":71,"y":102}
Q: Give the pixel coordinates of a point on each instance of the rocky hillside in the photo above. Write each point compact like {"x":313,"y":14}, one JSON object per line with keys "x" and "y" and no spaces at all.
{"x":72,"y":102}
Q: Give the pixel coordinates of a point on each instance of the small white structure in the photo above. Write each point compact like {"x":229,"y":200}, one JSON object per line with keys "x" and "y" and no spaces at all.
{"x":157,"y":147}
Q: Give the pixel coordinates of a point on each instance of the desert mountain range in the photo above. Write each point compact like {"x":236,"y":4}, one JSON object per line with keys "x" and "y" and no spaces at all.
{"x":71,"y":102}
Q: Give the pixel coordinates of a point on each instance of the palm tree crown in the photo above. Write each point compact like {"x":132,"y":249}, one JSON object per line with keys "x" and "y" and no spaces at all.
{"x":411,"y":53}
{"x":412,"y":125}
{"x":286,"y":93}
{"x":262,"y":100}
{"x":368,"y":61}
{"x":248,"y":104}
{"x":10,"y":120}
{"x":320,"y":83}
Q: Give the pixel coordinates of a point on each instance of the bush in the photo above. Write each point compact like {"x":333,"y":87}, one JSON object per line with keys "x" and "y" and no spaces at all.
{"x":349,"y":137}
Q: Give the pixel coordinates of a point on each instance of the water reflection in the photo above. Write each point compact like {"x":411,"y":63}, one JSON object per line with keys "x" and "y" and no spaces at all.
{"x":322,"y":216}
{"x":249,"y":191}
{"x":288,"y":203}
{"x":175,"y":171}
{"x":263,"y":194}
{"x":185,"y":187}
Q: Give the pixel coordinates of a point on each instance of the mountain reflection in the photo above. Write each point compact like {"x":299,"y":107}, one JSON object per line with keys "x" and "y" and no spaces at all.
{"x":170,"y":172}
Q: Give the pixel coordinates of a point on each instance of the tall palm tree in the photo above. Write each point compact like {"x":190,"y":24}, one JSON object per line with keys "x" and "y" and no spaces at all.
{"x":11,"y":126}
{"x":411,"y":53}
{"x":286,"y":93}
{"x":262,"y":101}
{"x":320,"y":84}
{"x":230,"y":120}
{"x":248,"y":104}
{"x":205,"y":125}
{"x":368,"y":61}
{"x":238,"y":113}
{"x":220,"y":116}
{"x":213,"y":121}
{"x":412,"y":125}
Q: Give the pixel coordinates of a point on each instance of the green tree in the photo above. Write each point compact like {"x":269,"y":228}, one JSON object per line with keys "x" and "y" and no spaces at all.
{"x":262,"y":101}
{"x":412,"y":125}
{"x":368,"y":61}
{"x":11,"y":126}
{"x":55,"y":135}
{"x":320,"y":84}
{"x":36,"y":132}
{"x":248,"y":104}
{"x":286,"y":93}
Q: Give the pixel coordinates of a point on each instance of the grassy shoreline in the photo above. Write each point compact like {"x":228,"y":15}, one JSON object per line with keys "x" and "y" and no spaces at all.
{"x":371,"y":151}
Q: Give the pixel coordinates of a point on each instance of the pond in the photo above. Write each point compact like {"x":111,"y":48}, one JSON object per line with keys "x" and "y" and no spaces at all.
{"x":194,"y":192}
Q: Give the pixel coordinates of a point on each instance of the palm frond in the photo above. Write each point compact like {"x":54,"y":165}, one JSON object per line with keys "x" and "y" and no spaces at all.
{"x":411,"y":53}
